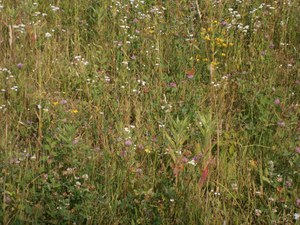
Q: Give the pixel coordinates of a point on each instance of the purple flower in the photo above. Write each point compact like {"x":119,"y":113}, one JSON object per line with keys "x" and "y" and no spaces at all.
{"x":20,"y":65}
{"x":298,"y":202}
{"x":185,"y":159}
{"x":298,"y":150}
{"x":281,"y":124}
{"x":277,"y":101}
{"x":224,"y":23}
{"x":271,"y":46}
{"x":197,"y":157}
{"x":173,"y":84}
{"x":128,"y":143}
{"x":63,"y":102}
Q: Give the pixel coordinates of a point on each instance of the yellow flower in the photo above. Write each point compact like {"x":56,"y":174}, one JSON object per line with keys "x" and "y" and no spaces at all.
{"x":74,"y":111}
{"x":224,"y":45}
{"x":207,"y":38}
{"x":223,"y":54}
{"x":214,"y":63}
{"x":55,"y":103}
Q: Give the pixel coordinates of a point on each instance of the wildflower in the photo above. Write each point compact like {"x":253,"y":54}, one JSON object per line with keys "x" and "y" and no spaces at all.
{"x":185,"y":159}
{"x":173,"y":84}
{"x":277,"y":101}
{"x":128,"y":143}
{"x":85,"y":176}
{"x":55,"y":103}
{"x":75,"y":141}
{"x":139,"y":170}
{"x":192,"y":162}
{"x":20,"y":65}
{"x":207,"y":38}
{"x":48,"y":35}
{"x":258,"y":212}
{"x":123,"y":153}
{"x":74,"y":111}
{"x":289,"y":183}
{"x":298,"y":151}
{"x":63,"y":102}
{"x":296,"y":216}
{"x":224,"y":23}
{"x":298,"y":202}
{"x":281,"y":124}
{"x":190,"y":73}
{"x":140,"y":147}
{"x":7,"y":199}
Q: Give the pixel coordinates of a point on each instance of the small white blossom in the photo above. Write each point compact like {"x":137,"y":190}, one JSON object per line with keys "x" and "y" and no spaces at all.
{"x":48,"y":35}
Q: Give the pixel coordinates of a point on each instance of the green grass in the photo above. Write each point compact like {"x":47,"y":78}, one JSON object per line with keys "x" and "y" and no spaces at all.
{"x":162,"y":112}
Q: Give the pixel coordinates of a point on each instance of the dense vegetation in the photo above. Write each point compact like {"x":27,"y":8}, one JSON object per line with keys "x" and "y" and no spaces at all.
{"x":149,"y":112}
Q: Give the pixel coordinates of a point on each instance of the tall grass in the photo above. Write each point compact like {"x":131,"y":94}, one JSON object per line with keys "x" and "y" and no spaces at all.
{"x":149,"y":112}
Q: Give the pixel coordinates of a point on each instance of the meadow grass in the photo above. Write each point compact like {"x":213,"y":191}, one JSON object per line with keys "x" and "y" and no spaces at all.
{"x":149,"y":112}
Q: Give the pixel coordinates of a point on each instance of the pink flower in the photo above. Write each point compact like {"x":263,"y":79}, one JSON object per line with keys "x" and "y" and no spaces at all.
{"x":277,"y":101}
{"x":128,"y":143}
{"x":20,"y":65}
{"x":173,"y":84}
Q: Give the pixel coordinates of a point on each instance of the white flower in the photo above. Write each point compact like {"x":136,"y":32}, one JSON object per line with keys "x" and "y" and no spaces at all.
{"x":296,"y":216}
{"x":192,"y":162}
{"x":48,"y":35}
{"x":85,"y":176}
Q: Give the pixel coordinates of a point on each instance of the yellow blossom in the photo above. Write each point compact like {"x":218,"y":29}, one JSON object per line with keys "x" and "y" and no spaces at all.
{"x":55,"y":103}
{"x":207,"y":38}
{"x":74,"y":111}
